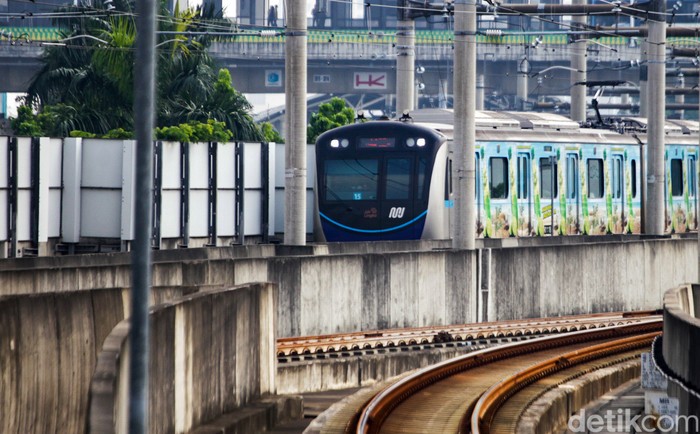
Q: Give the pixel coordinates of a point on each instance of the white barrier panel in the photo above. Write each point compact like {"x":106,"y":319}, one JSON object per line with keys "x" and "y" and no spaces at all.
{"x":101,"y":196}
{"x":226,"y":194}
{"x":24,"y":185}
{"x":199,"y":190}
{"x":170,"y":191}
{"x":52,"y":150}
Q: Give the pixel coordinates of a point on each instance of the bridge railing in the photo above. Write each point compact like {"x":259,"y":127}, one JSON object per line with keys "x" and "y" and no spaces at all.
{"x":681,"y":346}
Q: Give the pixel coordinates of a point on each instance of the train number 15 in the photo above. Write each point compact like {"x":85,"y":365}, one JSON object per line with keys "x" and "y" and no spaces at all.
{"x":397,"y":212}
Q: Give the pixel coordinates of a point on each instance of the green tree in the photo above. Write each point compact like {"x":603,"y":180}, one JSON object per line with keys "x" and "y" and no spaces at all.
{"x":91,"y":78}
{"x":270,"y":134}
{"x":332,"y":114}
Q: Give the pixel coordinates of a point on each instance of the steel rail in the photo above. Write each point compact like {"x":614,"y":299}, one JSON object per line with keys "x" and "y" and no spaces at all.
{"x":494,"y":398}
{"x":369,"y":419}
{"x":376,"y":339}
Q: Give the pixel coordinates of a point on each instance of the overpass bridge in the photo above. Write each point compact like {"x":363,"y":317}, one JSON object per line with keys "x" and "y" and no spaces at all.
{"x":358,"y":62}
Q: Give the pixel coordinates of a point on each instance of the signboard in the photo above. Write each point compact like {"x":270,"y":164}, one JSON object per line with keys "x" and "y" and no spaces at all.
{"x":652,"y":379}
{"x":370,"y":80}
{"x":322,"y":78}
{"x":273,"y":78}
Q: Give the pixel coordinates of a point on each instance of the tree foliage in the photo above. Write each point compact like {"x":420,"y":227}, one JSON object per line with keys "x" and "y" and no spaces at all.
{"x":88,"y":84}
{"x":332,"y":114}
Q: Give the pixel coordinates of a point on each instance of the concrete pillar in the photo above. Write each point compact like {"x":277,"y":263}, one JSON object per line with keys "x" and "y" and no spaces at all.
{"x":654,"y":218}
{"x":680,"y":98}
{"x":405,"y":65}
{"x":480,"y":92}
{"x":522,"y":86}
{"x":463,"y":176}
{"x":295,"y":149}
{"x":578,"y":63}
{"x":643,"y":79}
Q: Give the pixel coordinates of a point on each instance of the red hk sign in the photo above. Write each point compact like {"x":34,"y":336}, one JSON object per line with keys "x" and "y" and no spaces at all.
{"x":370,"y":80}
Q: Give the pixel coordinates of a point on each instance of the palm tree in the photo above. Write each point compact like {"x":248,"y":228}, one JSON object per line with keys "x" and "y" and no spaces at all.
{"x":93,"y":74}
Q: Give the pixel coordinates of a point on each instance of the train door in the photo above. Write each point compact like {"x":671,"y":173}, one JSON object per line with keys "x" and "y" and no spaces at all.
{"x":548,"y":190}
{"x":594,"y":220}
{"x":479,"y":196}
{"x":573,"y":197}
{"x":397,"y":204}
{"x":523,"y":218}
{"x":675,"y":211}
{"x":615,"y":204}
{"x":692,"y":205}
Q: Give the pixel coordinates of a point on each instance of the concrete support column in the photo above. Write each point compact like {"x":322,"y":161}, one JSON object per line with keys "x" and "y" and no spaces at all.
{"x":680,"y":98}
{"x":654,"y":223}
{"x":463,"y":179}
{"x":405,"y":65}
{"x":295,"y":149}
{"x":480,"y":92}
{"x":578,"y":63}
{"x":643,"y":80}
{"x":522,"y":86}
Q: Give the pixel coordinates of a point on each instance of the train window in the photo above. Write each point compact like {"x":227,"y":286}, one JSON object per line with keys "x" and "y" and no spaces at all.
{"x":548,"y":178}
{"x":398,"y":179}
{"x":351,"y":180}
{"x":596,"y":181}
{"x":617,"y":177}
{"x":523,"y":176}
{"x":692,"y":175}
{"x":676,"y":177}
{"x":499,"y":177}
{"x":633,"y":168}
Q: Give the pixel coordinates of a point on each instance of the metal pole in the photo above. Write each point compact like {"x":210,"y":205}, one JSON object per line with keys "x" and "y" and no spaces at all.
{"x":522,"y":88}
{"x":480,"y":92}
{"x":655,"y":219}
{"x":405,"y":61}
{"x":578,"y":63}
{"x":144,"y":95}
{"x":295,"y":150}
{"x":643,"y":79}
{"x":680,"y":98}
{"x":463,"y":179}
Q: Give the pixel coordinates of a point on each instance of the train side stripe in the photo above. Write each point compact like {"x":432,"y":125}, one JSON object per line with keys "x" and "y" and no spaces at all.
{"x":374,"y":231}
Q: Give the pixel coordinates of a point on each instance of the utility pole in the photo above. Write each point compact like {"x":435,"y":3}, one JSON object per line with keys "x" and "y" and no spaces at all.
{"x":578,"y":64}
{"x":144,"y":106}
{"x":295,"y":129}
{"x":655,"y":223}
{"x":463,"y":173}
{"x":405,"y":60}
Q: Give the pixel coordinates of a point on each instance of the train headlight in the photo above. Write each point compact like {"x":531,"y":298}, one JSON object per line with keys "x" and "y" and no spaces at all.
{"x":335,"y":143}
{"x":344,"y":143}
{"x":420,"y":142}
{"x":410,"y":143}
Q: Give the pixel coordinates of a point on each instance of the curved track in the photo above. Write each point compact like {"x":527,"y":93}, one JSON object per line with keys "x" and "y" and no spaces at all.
{"x":442,"y":398}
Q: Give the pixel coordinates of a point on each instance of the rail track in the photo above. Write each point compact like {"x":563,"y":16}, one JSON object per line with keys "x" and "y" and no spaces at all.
{"x":487,"y":390}
{"x":348,"y":344}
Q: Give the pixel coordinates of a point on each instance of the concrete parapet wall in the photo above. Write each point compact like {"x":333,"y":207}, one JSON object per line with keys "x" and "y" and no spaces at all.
{"x":681,"y":345}
{"x":48,"y":350}
{"x":575,"y":279}
{"x":551,"y":411}
{"x":212,"y":352}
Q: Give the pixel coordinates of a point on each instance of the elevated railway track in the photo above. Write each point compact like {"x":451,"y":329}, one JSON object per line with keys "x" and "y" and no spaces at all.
{"x":487,"y":391}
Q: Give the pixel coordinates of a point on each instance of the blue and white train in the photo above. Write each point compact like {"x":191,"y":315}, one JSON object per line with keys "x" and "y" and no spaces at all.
{"x":537,"y":175}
